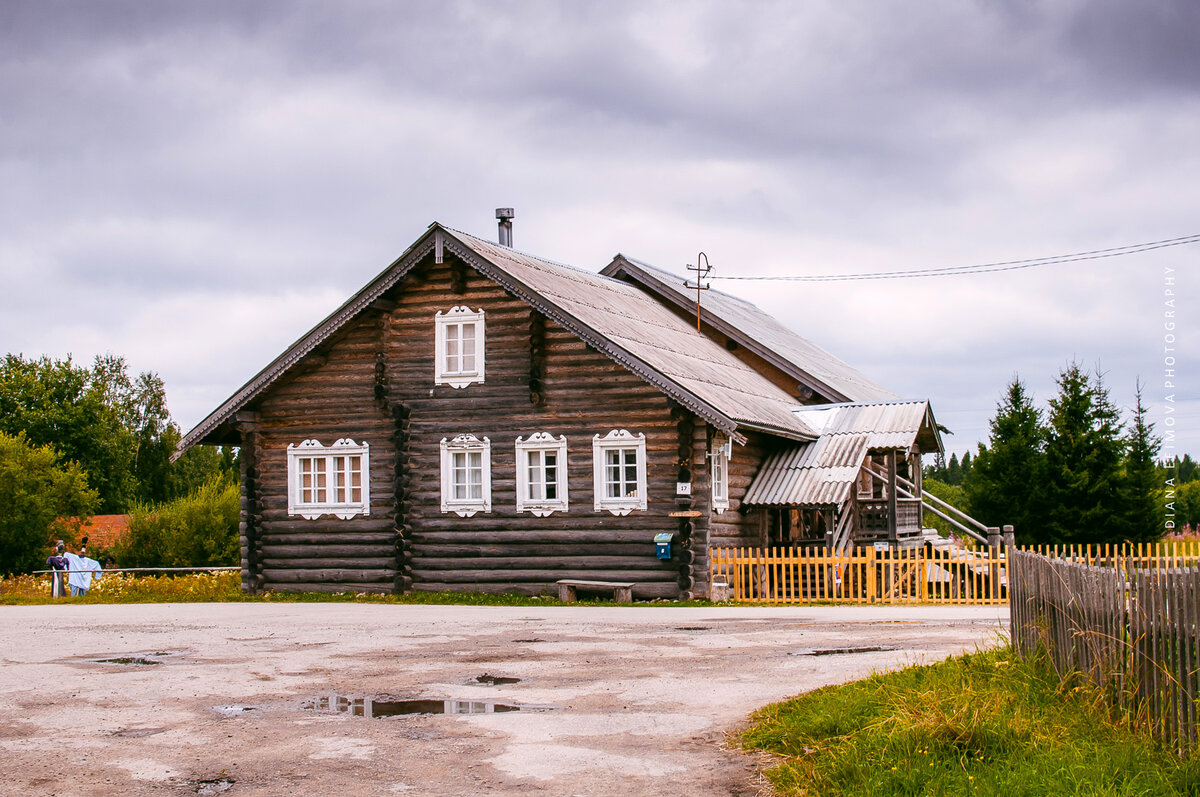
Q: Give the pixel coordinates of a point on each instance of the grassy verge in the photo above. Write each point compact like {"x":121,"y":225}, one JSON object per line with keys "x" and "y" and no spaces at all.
{"x":986,"y":723}
{"x":225,"y":587}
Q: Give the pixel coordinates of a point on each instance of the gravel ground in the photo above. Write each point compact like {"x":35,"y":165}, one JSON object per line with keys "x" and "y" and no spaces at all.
{"x":242,"y":699}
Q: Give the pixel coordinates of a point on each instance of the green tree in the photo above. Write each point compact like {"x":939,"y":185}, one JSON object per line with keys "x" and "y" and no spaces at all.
{"x":1084,"y":458}
{"x":1142,"y":484}
{"x":1186,"y":469}
{"x":117,"y":428}
{"x":1186,"y":504}
{"x":35,"y":491}
{"x":951,"y":494}
{"x":197,"y":530}
{"x":1002,"y":485}
{"x":954,"y":471}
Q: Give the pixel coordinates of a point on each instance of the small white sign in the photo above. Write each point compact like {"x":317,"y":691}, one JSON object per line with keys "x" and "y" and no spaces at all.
{"x":881,"y":547}
{"x":683,"y":488}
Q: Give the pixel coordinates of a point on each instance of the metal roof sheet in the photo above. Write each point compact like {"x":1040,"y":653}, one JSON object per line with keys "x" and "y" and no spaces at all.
{"x":760,"y":332}
{"x":822,"y":472}
{"x":631,"y":327}
{"x":643,"y":326}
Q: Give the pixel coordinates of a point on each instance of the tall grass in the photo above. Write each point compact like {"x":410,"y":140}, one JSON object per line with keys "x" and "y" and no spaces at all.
{"x":986,"y":723}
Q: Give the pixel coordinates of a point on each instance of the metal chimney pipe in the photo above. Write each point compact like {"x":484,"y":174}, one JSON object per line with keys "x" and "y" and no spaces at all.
{"x":506,"y":216}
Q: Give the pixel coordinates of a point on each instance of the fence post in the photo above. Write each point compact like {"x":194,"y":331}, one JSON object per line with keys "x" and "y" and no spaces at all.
{"x":870,"y":596}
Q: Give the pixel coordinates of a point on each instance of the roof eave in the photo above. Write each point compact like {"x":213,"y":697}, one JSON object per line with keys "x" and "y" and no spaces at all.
{"x":307,"y":343}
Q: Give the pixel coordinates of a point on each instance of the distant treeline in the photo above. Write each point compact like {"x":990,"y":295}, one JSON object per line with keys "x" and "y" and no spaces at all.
{"x":1073,"y":472}
{"x":77,"y":441}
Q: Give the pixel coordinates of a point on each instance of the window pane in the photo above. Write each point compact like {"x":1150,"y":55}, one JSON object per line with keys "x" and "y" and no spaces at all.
{"x":551,"y":475}
{"x":475,"y":474}
{"x":468,"y":349}
{"x":533,"y":475}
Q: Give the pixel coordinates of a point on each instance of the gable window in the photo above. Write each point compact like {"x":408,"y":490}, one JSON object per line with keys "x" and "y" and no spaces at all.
{"x":328,"y":480}
{"x":720,"y":473}
{"x":458,"y":348}
{"x":542,"y":474}
{"x":619,"y":471}
{"x":466,"y":475}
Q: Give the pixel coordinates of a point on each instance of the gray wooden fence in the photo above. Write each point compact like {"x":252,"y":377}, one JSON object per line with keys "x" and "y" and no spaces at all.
{"x":1125,"y":621}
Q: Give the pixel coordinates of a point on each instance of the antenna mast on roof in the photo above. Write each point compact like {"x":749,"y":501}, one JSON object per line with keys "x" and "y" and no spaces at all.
{"x":701,"y":273}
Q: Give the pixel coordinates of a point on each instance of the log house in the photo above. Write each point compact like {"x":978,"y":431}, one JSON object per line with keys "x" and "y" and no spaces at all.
{"x":478,"y":419}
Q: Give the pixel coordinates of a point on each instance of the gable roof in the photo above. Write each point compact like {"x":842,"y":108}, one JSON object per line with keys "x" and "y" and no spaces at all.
{"x":823,"y":472}
{"x":617,"y":319}
{"x":762,"y":334}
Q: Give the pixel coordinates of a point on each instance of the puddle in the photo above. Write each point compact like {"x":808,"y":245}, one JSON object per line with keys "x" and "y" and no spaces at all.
{"x":137,"y":733}
{"x":235,"y":710}
{"x":693,"y":628}
{"x":137,"y":661}
{"x":838,"y":651}
{"x":495,"y":680}
{"x":527,"y":641}
{"x":376,"y":707}
{"x":213,"y":786}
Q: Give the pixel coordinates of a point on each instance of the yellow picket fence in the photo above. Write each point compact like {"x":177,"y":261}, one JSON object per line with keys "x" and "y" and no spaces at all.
{"x":923,"y":574}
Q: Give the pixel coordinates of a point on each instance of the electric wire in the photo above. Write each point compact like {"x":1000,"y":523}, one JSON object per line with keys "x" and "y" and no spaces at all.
{"x":981,"y":268}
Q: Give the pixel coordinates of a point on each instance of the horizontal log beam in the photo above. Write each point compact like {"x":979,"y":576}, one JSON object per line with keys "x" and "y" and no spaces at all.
{"x":517,"y":576}
{"x":316,"y":576}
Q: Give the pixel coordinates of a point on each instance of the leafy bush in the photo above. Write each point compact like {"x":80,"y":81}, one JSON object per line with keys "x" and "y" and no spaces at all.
{"x":35,"y":490}
{"x":198,"y":530}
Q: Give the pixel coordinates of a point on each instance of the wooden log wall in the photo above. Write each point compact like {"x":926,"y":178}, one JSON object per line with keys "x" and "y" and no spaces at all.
{"x":341,"y":395}
{"x":539,"y":378}
{"x":375,"y":383}
{"x":740,"y":525}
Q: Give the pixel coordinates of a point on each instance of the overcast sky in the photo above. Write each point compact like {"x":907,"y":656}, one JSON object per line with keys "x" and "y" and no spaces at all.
{"x":195,"y":185}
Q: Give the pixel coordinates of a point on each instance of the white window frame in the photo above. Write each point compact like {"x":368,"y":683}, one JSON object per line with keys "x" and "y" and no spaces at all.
{"x":618,"y":439}
{"x":465,"y":445}
{"x":541,"y":443}
{"x":720,"y":456}
{"x":457,"y":318}
{"x":335,"y":464}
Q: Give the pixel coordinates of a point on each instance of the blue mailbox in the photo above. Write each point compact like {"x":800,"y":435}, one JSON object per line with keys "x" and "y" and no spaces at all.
{"x":662,"y":545}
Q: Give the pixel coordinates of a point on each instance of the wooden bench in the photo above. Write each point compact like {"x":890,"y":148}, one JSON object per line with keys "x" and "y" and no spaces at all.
{"x":621,"y":592}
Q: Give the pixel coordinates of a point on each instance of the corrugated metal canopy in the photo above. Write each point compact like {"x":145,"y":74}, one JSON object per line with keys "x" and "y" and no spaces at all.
{"x":823,"y":472}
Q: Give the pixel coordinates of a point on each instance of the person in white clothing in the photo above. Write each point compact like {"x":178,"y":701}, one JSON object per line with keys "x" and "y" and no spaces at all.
{"x":82,"y":571}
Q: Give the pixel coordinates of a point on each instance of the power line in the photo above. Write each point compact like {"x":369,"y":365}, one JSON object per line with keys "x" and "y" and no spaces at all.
{"x":983,"y":268}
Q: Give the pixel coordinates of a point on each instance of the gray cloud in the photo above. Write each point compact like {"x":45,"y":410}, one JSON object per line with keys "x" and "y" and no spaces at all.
{"x":168,"y":166}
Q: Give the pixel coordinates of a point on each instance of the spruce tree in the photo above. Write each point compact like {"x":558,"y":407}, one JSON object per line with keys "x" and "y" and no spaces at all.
{"x":1002,"y":485}
{"x":1084,"y":459}
{"x":954,"y":471}
{"x":1142,"y":485}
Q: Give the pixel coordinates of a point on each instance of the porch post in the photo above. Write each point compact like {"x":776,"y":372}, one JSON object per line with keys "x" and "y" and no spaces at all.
{"x":891,"y":496}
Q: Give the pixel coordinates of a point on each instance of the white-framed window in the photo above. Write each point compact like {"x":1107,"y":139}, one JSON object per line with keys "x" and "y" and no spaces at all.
{"x":719,"y":456}
{"x":466,"y":475}
{"x":619,"y":471}
{"x":329,"y":480}
{"x":542,"y":474}
{"x":458,"y":348}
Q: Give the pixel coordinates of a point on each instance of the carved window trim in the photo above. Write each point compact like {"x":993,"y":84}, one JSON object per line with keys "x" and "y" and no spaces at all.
{"x":327,"y":480}
{"x":459,"y":493}
{"x":719,"y":455}
{"x":538,"y":447}
{"x":623,"y":444}
{"x":450,"y":362}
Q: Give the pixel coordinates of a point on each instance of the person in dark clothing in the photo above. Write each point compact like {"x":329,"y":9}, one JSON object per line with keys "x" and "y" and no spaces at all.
{"x":58,"y":563}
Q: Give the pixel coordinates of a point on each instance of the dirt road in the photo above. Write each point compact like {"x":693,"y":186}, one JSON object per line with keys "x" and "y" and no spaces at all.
{"x":244,"y":699}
